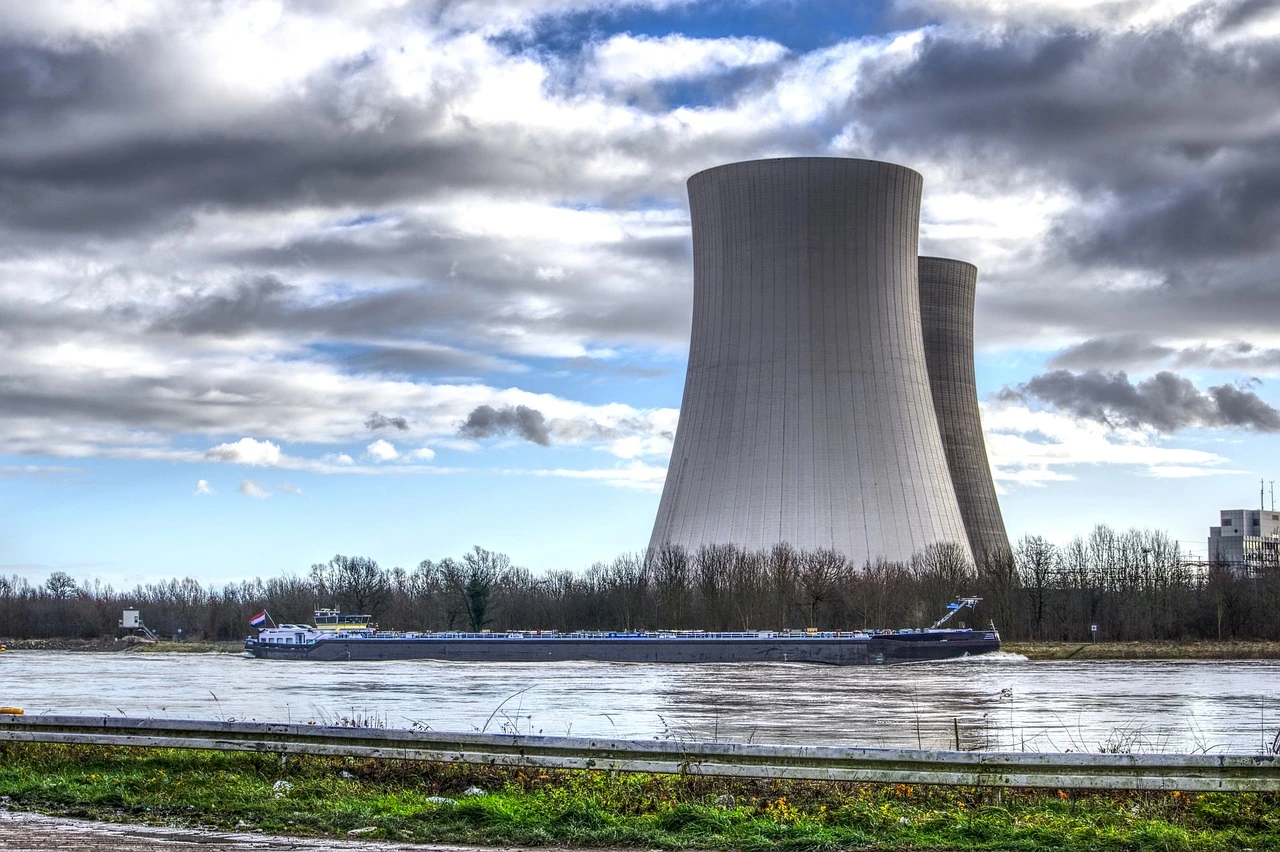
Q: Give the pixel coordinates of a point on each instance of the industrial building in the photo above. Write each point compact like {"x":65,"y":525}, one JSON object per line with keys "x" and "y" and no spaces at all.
{"x":1247,"y":540}
{"x":808,"y":415}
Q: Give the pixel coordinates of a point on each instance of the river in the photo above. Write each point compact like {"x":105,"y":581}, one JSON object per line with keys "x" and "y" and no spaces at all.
{"x":999,"y":701}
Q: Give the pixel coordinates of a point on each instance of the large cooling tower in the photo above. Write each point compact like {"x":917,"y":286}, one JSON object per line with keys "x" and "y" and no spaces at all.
{"x":807,"y":416}
{"x":947,"y":289}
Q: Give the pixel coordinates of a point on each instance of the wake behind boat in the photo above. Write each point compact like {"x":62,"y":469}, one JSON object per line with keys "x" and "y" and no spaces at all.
{"x":346,"y":637}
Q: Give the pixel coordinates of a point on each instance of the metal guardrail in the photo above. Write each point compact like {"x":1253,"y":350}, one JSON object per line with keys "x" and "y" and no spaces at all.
{"x":1189,"y":773}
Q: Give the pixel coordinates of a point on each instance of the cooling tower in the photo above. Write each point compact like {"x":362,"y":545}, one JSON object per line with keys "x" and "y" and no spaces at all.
{"x":807,"y":416}
{"x":947,"y":289}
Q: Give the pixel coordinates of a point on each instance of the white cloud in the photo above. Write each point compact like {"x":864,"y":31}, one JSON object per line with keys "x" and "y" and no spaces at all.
{"x":383,"y":451}
{"x":203,"y":487}
{"x":249,"y":488}
{"x":634,"y":446}
{"x":36,"y":471}
{"x":636,"y":475}
{"x":1029,"y":447}
{"x":91,"y":20}
{"x":340,"y":459}
{"x":285,"y":488}
{"x":246,"y":451}
{"x":627,"y":60}
{"x":1174,"y":471}
{"x":1093,"y":14}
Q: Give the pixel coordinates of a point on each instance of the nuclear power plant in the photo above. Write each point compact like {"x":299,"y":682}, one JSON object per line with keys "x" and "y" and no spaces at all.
{"x":808,"y":414}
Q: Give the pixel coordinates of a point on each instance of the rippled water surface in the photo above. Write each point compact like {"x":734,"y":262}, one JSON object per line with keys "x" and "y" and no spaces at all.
{"x":998,"y":701}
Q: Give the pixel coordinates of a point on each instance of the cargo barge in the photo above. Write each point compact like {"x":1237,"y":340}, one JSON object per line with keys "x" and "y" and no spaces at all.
{"x":837,"y":648}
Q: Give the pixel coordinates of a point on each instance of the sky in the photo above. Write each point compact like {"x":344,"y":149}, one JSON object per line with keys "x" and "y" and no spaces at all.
{"x":394,"y":278}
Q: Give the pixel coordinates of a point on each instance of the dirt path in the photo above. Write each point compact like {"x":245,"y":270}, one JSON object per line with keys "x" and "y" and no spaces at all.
{"x":24,"y":832}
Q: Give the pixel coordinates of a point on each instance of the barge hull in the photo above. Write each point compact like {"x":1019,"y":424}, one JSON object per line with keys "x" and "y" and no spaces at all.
{"x":877,"y":649}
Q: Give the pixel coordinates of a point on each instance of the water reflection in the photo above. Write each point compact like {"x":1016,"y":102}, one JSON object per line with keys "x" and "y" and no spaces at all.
{"x":994,"y":702}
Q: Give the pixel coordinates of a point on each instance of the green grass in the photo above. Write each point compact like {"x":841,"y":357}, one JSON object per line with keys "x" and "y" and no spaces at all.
{"x":323,"y":796}
{"x":1190,"y":649}
{"x":190,"y":647}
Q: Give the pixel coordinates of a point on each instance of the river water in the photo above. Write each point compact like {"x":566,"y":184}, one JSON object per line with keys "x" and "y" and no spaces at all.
{"x":998,"y":701}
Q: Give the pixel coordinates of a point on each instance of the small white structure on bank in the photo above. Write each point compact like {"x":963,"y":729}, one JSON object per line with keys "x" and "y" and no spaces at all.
{"x":131,"y":619}
{"x":1247,"y":540}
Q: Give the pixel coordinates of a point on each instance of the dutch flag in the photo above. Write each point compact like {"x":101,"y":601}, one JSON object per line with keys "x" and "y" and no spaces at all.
{"x":259,"y":619}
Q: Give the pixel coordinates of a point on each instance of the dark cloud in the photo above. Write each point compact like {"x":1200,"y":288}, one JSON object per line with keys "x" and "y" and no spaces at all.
{"x":596,"y":365}
{"x":310,"y":149}
{"x":1160,"y":100}
{"x":485,"y":421}
{"x":1243,"y":408}
{"x":1237,"y":356}
{"x":252,"y":304}
{"x":1166,"y":402}
{"x":1226,"y":213}
{"x":1136,"y":351}
{"x":341,"y":140}
{"x":377,"y":421}
{"x":1153,"y":130}
{"x":450,"y":299}
{"x":1242,"y":13}
{"x":417,"y":357}
{"x":1110,"y":353}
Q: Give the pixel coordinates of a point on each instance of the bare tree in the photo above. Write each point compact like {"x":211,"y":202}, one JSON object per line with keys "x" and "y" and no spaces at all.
{"x":670,"y":571}
{"x":61,"y":585}
{"x":783,"y":564}
{"x":1037,"y":562}
{"x":817,"y":573}
{"x":355,"y":583}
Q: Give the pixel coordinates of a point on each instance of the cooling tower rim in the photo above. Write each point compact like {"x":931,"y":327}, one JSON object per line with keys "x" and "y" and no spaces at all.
{"x":741,"y":163}
{"x":949,"y":260}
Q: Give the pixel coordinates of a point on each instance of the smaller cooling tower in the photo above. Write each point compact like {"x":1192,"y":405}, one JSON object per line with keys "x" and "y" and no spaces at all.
{"x":947,"y":289}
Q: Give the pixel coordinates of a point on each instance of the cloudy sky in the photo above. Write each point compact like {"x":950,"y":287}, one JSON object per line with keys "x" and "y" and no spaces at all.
{"x":280,"y":280}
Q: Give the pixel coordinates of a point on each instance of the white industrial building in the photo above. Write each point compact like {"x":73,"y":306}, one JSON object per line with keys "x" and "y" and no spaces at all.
{"x":1247,"y":539}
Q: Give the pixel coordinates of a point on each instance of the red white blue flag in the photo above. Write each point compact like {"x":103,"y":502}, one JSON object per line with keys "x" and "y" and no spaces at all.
{"x":259,"y":619}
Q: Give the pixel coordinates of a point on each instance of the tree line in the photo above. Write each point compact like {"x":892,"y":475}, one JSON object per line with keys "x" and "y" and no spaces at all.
{"x":1132,"y":585}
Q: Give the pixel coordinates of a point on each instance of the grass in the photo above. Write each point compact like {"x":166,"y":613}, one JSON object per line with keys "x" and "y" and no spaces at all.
{"x":1191,"y":649}
{"x":190,"y":647}
{"x":426,"y":802}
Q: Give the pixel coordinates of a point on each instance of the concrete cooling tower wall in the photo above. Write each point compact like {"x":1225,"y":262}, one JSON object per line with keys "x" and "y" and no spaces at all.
{"x":807,"y":416}
{"x":947,"y":289}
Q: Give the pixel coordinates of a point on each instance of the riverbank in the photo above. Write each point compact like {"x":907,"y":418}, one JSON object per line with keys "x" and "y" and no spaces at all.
{"x":136,"y":644}
{"x":1166,"y":650}
{"x":1184,"y":650}
{"x":426,"y":802}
